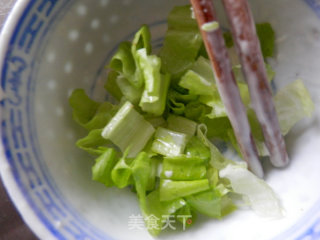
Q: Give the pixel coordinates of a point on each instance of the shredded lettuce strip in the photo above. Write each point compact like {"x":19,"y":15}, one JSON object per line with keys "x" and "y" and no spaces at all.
{"x":157,"y":140}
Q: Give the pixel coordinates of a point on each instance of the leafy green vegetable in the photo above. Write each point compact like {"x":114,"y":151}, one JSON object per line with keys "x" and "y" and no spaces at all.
{"x":156,"y":139}
{"x":169,"y":143}
{"x":123,"y":63}
{"x":128,"y":90}
{"x":170,"y":190}
{"x":141,"y":172}
{"x":93,"y":142}
{"x":228,"y":39}
{"x":153,"y":98}
{"x":142,"y":40}
{"x":207,"y":203}
{"x":197,"y":149}
{"x":158,"y":212}
{"x":128,"y":129}
{"x":182,"y":125}
{"x":183,"y":168}
{"x":255,"y":191}
{"x":182,"y":42}
{"x":122,"y":171}
{"x":83,"y":108}
{"x":101,"y":171}
{"x":266,"y":36}
{"x":292,"y":104}
{"x":111,"y":85}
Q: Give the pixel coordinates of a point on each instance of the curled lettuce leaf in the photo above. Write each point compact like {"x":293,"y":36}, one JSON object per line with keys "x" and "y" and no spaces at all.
{"x":111,"y":86}
{"x":153,"y":98}
{"x":293,"y":103}
{"x":83,"y":108}
{"x":122,"y":172}
{"x":255,"y":191}
{"x":123,"y":63}
{"x":197,"y":149}
{"x":93,"y":142}
{"x":141,"y":172}
{"x":101,"y":170}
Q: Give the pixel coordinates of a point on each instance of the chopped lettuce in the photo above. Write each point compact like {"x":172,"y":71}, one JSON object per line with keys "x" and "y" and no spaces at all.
{"x":211,"y":203}
{"x":128,"y":129}
{"x":170,"y":190}
{"x":157,"y":139}
{"x":182,"y":125}
{"x":169,"y":143}
{"x":153,"y":98}
{"x":293,"y":103}
{"x":197,"y":149}
{"x":101,"y":170}
{"x":182,"y":42}
{"x":141,"y":173}
{"x":255,"y":191}
{"x":183,"y":168}
{"x":267,"y":37}
{"x":157,"y":212}
{"x":122,"y":172}
{"x":83,"y":108}
{"x":93,"y":142}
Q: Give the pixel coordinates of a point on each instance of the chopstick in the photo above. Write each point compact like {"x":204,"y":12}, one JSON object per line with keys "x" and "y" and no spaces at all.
{"x":213,"y":39}
{"x":249,"y":51}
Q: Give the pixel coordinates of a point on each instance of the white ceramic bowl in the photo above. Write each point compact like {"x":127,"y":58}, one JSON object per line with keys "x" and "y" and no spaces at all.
{"x":49,"y":47}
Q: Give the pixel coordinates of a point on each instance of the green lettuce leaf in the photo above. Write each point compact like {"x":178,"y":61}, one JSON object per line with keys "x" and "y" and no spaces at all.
{"x":157,"y":212}
{"x":123,"y":63}
{"x":195,"y":148}
{"x":293,"y":103}
{"x":170,"y":190}
{"x":154,"y":96}
{"x":112,"y":86}
{"x":183,"y":168}
{"x":101,"y":170}
{"x":130,"y":92}
{"x":141,"y":172}
{"x":93,"y":143}
{"x":142,"y":40}
{"x":217,"y":160}
{"x":182,"y":42}
{"x":254,"y":190}
{"x":266,"y":36}
{"x":83,"y":108}
{"x":182,"y":125}
{"x":128,"y":129}
{"x":169,"y":143}
{"x":121,"y":174}
{"x":207,"y":203}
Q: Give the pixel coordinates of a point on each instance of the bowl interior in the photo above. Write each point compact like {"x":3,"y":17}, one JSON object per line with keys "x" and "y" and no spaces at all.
{"x":70,"y":52}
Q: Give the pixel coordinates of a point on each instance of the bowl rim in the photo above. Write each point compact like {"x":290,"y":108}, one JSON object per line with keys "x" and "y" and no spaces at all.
{"x":7,"y":177}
